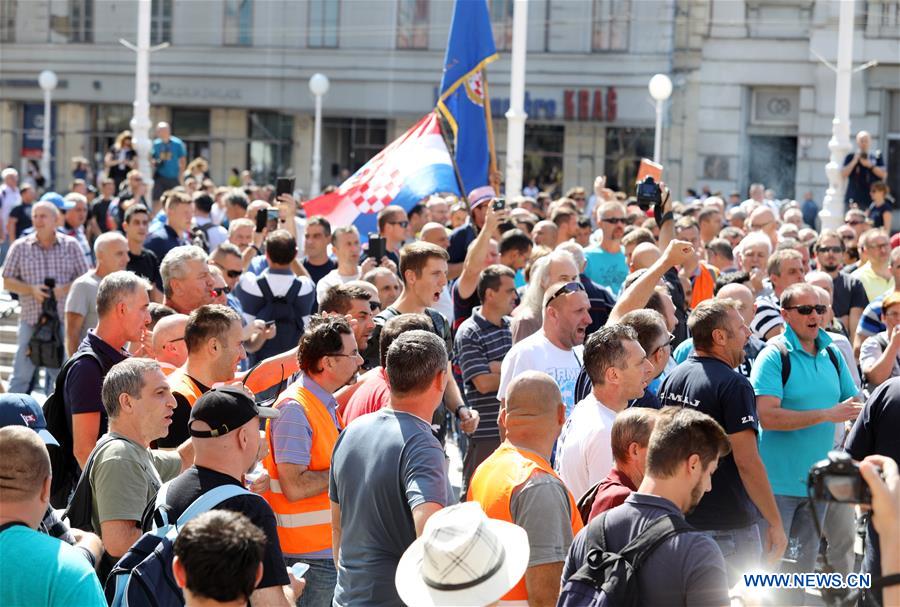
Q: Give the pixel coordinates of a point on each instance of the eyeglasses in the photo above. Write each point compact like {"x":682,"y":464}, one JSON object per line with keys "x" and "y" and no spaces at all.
{"x":807,"y":310}
{"x":569,"y":287}
{"x":220,"y":290}
{"x":829,"y":250}
{"x":351,"y":355}
{"x":855,"y":222}
{"x":402,"y":224}
{"x":614,"y":220}
{"x":669,"y":343}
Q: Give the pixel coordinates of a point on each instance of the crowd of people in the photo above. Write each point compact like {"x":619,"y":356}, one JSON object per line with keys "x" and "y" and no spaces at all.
{"x":608,"y":371}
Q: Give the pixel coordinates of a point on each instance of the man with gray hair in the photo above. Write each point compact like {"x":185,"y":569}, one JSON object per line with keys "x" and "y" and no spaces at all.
{"x":123,"y":472}
{"x":187,"y":283}
{"x":36,"y":569}
{"x":372,"y":529}
{"x":123,"y":316}
{"x":785,"y":268}
{"x":111,"y":251}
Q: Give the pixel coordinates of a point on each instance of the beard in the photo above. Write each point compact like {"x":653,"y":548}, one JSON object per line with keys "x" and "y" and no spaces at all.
{"x":696,"y":495}
{"x":831,"y":268}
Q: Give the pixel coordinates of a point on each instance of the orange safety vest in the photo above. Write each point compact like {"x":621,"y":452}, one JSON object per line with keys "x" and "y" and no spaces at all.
{"x":493,"y":485}
{"x":704,"y":285}
{"x":304,"y":526}
{"x":181,"y":383}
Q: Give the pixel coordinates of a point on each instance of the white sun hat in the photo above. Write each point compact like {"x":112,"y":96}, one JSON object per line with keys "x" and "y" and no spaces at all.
{"x":462,"y":559}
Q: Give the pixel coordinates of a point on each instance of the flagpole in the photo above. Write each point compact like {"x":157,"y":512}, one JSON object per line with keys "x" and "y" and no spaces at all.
{"x":493,"y":177}
{"x":452,"y":150}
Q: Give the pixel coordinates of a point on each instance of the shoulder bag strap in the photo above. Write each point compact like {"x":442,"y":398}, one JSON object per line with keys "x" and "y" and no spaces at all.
{"x":209,"y":500}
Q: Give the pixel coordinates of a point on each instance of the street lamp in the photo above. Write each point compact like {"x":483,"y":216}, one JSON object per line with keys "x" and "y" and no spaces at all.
{"x":47,"y":81}
{"x":318,"y":85}
{"x":660,"y":89}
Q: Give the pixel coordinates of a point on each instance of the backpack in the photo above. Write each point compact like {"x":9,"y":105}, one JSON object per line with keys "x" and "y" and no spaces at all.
{"x":288,"y":324}
{"x":62,"y":458}
{"x":786,"y":361}
{"x":610,"y":578}
{"x":143,"y":576}
{"x":200,"y":235}
{"x":45,"y":348}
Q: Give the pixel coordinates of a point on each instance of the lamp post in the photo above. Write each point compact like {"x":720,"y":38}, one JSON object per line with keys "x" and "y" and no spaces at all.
{"x":47,"y":81}
{"x":318,"y":85}
{"x":516,"y":116}
{"x":660,"y":89}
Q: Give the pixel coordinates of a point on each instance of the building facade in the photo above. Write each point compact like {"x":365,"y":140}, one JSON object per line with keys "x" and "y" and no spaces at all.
{"x":752,"y":100}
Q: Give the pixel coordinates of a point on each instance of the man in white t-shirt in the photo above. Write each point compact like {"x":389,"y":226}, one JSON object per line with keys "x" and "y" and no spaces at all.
{"x":557,"y":348}
{"x":345,"y":242}
{"x":619,"y":371}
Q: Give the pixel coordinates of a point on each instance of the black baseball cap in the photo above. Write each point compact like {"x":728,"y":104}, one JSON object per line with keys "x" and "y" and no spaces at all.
{"x":226,"y":409}
{"x":23,"y":410}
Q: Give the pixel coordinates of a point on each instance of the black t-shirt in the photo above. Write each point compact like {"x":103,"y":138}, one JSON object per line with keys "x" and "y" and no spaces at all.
{"x":147,"y":265}
{"x":22,"y":214}
{"x":462,"y":307}
{"x":712,"y":387}
{"x":178,"y":429}
{"x":849,"y":293}
{"x":676,"y":291}
{"x":184,"y":489}
{"x":99,"y":210}
{"x":861,"y":179}
{"x":319,"y":272}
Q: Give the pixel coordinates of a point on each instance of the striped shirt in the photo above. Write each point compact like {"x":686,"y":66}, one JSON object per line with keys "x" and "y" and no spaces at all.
{"x":768,"y":317}
{"x":478,"y":343}
{"x":870,"y":321}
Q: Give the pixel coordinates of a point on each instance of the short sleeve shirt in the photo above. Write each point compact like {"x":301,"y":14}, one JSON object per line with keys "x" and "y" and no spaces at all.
{"x":81,"y":392}
{"x":460,"y":239}
{"x":871,"y":351}
{"x":146,"y":265}
{"x":167,"y":154}
{"x":606,"y":269}
{"x":768,"y":317}
{"x":710,"y":386}
{"x":848,"y":293}
{"x":541,"y":507}
{"x":861,"y":178}
{"x":82,"y":300}
{"x":537,"y":353}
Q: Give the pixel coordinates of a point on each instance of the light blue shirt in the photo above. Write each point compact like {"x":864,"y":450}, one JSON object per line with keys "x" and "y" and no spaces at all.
{"x":813,"y":384}
{"x":606,"y":269}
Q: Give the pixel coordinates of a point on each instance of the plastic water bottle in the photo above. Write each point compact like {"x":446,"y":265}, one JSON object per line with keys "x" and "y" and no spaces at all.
{"x":252,"y":475}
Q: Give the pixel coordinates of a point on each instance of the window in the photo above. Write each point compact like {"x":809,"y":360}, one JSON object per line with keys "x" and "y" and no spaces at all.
{"x":238,"y":22}
{"x":412,"y":24}
{"x":349,"y":143}
{"x":543,"y":158}
{"x":270,"y":145}
{"x":107,"y":121}
{"x":191,"y":125}
{"x":81,"y":21}
{"x":610,"y":27}
{"x":8,"y":20}
{"x":502,"y":23}
{"x":624,"y":149}
{"x":161,"y":21}
{"x":322,"y":30}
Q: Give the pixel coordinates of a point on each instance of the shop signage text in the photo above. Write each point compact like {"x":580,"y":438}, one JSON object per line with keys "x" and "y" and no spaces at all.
{"x":589,"y":105}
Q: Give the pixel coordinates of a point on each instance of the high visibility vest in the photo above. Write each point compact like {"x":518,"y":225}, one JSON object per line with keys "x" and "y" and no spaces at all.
{"x":493,"y":485}
{"x":181,"y":383}
{"x":704,"y":285}
{"x":304,"y":525}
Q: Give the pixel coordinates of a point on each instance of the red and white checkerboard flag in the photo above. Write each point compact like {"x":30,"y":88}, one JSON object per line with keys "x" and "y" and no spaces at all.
{"x":411,"y":168}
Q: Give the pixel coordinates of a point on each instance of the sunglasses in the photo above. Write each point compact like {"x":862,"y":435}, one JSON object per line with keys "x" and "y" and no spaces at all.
{"x":807,"y":310}
{"x":614,"y":220}
{"x":569,"y":287}
{"x":829,"y":249}
{"x":668,"y":343}
{"x":374,"y":305}
{"x":219,"y":290}
{"x":402,"y":224}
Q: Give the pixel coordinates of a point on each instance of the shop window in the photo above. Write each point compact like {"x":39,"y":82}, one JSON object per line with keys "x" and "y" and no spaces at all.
{"x":237,"y":30}
{"x":611,"y":22}
{"x":270,"y":146}
{"x":543,"y":158}
{"x":349,"y":143}
{"x":412,"y":24}
{"x":625,"y":147}
{"x":191,"y":125}
{"x":322,"y":28}
{"x":107,"y":121}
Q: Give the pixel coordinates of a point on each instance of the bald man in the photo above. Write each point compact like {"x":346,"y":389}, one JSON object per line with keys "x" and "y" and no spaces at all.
{"x":435,"y":233}
{"x":169,"y":348}
{"x":644,"y":255}
{"x":545,"y":234}
{"x":516,"y":484}
{"x":763,"y":220}
{"x":747,"y":308}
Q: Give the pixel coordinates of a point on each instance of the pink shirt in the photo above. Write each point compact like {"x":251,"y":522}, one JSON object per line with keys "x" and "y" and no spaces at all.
{"x":371,"y":396}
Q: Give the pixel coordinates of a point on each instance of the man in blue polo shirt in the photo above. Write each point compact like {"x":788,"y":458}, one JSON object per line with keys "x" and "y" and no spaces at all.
{"x":798,"y":415}
{"x":169,"y":159}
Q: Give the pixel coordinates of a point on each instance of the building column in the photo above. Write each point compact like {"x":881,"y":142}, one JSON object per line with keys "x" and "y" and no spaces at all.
{"x":228,"y":142}
{"x":10,"y":134}
{"x":71,"y":140}
{"x":302,"y":151}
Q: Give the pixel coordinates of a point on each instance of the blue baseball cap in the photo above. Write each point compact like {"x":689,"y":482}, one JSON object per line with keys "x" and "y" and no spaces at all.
{"x":23,"y":410}
{"x":55,"y":198}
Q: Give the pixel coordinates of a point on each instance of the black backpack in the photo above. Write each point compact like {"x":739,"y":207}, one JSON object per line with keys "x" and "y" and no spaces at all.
{"x":786,"y":361}
{"x":288,"y":324}
{"x":610,"y":578}
{"x":200,"y":235}
{"x":62,"y":459}
{"x":45,"y":348}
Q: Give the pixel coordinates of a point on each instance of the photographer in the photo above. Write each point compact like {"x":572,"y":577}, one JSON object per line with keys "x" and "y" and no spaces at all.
{"x":885,"y":518}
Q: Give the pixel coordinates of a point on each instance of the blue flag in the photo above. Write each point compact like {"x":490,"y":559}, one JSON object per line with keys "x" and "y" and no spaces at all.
{"x":462,"y":100}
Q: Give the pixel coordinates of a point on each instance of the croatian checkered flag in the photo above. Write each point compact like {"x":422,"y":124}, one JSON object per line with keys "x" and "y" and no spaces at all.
{"x":413,"y":167}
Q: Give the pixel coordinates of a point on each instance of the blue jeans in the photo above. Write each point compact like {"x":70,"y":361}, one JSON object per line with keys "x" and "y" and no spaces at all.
{"x":24,"y":369}
{"x":803,"y":540}
{"x":320,"y":582}
{"x":742,"y":549}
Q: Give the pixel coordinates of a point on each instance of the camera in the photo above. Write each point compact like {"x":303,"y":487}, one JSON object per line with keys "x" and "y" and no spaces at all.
{"x":648,"y":193}
{"x":50,"y":283}
{"x":837,"y":479}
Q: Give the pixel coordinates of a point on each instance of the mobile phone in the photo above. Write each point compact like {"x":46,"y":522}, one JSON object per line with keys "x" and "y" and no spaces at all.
{"x":299,"y":569}
{"x":377,"y":247}
{"x":270,"y":323}
{"x":260,"y":220}
{"x":499,"y":204}
{"x":272,"y":219}
{"x":284,"y":185}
